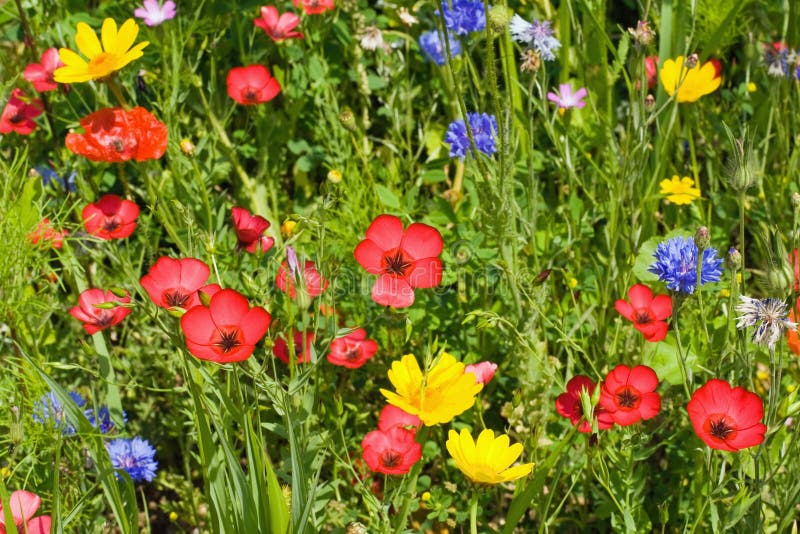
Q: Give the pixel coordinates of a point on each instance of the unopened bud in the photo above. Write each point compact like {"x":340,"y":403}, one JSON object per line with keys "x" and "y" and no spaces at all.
{"x":702,"y":238}
{"x":796,"y":199}
{"x":287,"y":228}
{"x":649,"y":102}
{"x":187,"y":147}
{"x":348,"y":120}
{"x":734,"y":259}
{"x":334,"y":176}
{"x":531,"y":61}
{"x":691,"y":61}
{"x":355,"y":528}
{"x":643,"y":34}
{"x":499,"y":18}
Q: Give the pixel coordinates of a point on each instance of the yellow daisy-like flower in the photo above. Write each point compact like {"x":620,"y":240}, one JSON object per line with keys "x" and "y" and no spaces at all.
{"x":445,"y":392}
{"x":692,"y":83}
{"x":487,"y":461}
{"x":115,"y":52}
{"x":679,"y":190}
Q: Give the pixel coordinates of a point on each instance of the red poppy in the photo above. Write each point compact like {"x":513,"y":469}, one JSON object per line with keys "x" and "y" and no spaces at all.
{"x":252,"y":85}
{"x":302,"y":347}
{"x":250,"y":230}
{"x":172,"y":282}
{"x":41,"y":74}
{"x":23,"y":505}
{"x":391,"y":452}
{"x":313,"y":282}
{"x":95,"y":319}
{"x":19,"y":113}
{"x":394,"y":417}
{"x":651,"y":70}
{"x":726,"y":418}
{"x":483,"y":371}
{"x":353,"y":350}
{"x":314,"y":7}
{"x":628,"y":395}
{"x":47,"y":235}
{"x":226,"y":330}
{"x":111,"y":217}
{"x":403,"y":260}
{"x":278,"y":27}
{"x":791,"y":334}
{"x":647,"y":313}
{"x":114,"y":135}
{"x":569,"y":405}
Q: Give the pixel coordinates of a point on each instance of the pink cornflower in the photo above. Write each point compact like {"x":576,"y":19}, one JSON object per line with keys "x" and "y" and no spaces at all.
{"x":154,"y":14}
{"x":278,"y":27}
{"x":566,"y":99}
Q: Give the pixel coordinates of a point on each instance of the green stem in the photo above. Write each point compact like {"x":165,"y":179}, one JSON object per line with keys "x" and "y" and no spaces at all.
{"x":114,"y":86}
{"x":681,"y":354}
{"x":411,"y":485}
{"x":473,"y":513}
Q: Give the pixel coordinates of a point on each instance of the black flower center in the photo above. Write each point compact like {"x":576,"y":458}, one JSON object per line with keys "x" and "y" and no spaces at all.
{"x":228,"y":340}
{"x":642,"y":317}
{"x":720,"y":429}
{"x":627,"y":398}
{"x":250,"y":95}
{"x":391,"y":459}
{"x":17,"y":117}
{"x":176,"y":298}
{"x":396,"y":263}
{"x":352,"y":354}
{"x":111,"y":224}
{"x":104,"y":319}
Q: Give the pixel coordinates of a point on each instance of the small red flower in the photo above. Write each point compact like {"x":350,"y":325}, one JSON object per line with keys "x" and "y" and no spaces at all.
{"x":95,"y":319}
{"x":394,"y":417}
{"x":313,"y":282}
{"x":250,"y":230}
{"x":277,"y":27}
{"x":175,"y":283}
{"x":791,"y":334}
{"x":47,"y":235}
{"x":302,"y":347}
{"x":726,"y":418}
{"x":252,"y":85}
{"x":651,"y":70}
{"x":23,"y":505}
{"x":402,"y":260}
{"x":225,"y":331}
{"x":391,"y":452}
{"x":628,"y":395}
{"x":647,"y":313}
{"x":19,"y":113}
{"x":483,"y":371}
{"x":569,"y":405}
{"x":114,"y":135}
{"x":111,"y":217}
{"x":314,"y":7}
{"x":353,"y":350}
{"x":41,"y":74}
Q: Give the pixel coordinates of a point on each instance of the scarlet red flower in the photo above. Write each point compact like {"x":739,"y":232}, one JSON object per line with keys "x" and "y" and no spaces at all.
{"x":403,"y":260}
{"x":483,"y":371}
{"x":114,"y":135}
{"x":172,"y":282}
{"x":726,"y":418}
{"x":41,"y":74}
{"x":19,"y":113}
{"x":252,"y":85}
{"x":791,"y":334}
{"x":302,"y":347}
{"x":314,"y":7}
{"x":278,"y":27}
{"x":250,"y":229}
{"x":353,"y":350}
{"x":111,"y":217}
{"x":651,"y":70}
{"x":647,"y":313}
{"x":394,"y":417}
{"x":569,"y":405}
{"x":391,"y":452}
{"x":225,"y":331}
{"x":95,"y":319}
{"x":23,"y":505}
{"x":313,"y":282}
{"x":45,"y":234}
{"x":628,"y":395}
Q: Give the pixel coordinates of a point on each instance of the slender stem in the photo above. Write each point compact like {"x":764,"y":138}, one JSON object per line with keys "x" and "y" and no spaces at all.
{"x":473,"y":513}
{"x":681,"y":354}
{"x":114,"y":86}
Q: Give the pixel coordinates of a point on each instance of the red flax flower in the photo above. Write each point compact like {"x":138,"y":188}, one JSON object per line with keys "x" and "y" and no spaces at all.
{"x":252,"y":85}
{"x":726,"y":418}
{"x":175,"y":283}
{"x":41,"y":74}
{"x":483,"y":371}
{"x":111,"y":217}
{"x":302,"y":347}
{"x":45,"y":234}
{"x":114,"y":135}
{"x":391,"y":452}
{"x":313,"y":282}
{"x":394,"y":417}
{"x":314,"y":7}
{"x":19,"y":113}
{"x":402,"y":260}
{"x":250,"y":230}
{"x":569,"y":405}
{"x":353,"y":350}
{"x":278,"y":27}
{"x":628,"y":395}
{"x":23,"y":504}
{"x":95,"y":319}
{"x":226,"y":330}
{"x":647,"y":313}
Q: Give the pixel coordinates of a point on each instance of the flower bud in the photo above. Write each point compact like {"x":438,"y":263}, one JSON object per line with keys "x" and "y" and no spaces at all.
{"x":643,"y":34}
{"x":348,"y":120}
{"x":499,"y":18}
{"x":649,"y":102}
{"x":287,"y":228}
{"x":734,"y":259}
{"x":531,"y":61}
{"x":187,"y":147}
{"x":334,"y":176}
{"x":691,"y":61}
{"x":796,"y":199}
{"x":702,"y":238}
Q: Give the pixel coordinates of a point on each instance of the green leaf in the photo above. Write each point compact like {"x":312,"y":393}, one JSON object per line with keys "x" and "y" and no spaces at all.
{"x":663,"y":358}
{"x":386,"y":197}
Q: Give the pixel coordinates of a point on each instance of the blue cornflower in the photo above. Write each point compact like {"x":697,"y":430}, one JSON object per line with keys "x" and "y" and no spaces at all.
{"x":676,"y":264}
{"x":434,"y":48}
{"x":135,"y":456}
{"x":102,"y":420}
{"x":537,"y":35}
{"x":466,"y":16}
{"x":50,"y":178}
{"x":484,"y":129}
{"x":48,"y":411}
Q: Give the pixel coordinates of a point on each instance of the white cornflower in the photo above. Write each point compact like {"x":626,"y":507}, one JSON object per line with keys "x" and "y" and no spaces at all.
{"x":769,"y":316}
{"x":538,"y":35}
{"x":407,"y":18}
{"x":372,"y":39}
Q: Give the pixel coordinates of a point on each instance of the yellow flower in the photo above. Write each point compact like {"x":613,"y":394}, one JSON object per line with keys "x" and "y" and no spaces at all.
{"x":115,"y":52}
{"x":751,"y":87}
{"x":437,"y":397}
{"x":679,"y":190}
{"x":692,"y":83}
{"x":487,"y":461}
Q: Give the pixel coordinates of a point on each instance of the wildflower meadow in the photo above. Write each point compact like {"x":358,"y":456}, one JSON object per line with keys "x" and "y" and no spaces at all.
{"x":356,"y":266}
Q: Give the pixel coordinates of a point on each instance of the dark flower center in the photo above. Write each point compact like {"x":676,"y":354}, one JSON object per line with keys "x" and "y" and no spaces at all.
{"x":396,"y":263}
{"x":627,"y":398}
{"x":251,"y":95}
{"x":104,"y":319}
{"x":228,"y":340}
{"x":17,"y":117}
{"x":118,"y":145}
{"x":352,"y":354}
{"x":111,"y":224}
{"x":720,"y":428}
{"x":391,"y":459}
{"x":176,"y":298}
{"x":642,"y":317}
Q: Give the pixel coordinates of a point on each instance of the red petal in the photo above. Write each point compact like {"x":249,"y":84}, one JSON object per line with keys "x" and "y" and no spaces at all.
{"x":578,"y":383}
{"x":640,"y":296}
{"x":748,"y":437}
{"x":39,"y":525}
{"x":386,"y":231}
{"x":422,"y":241}
{"x":197,"y":325}
{"x":661,"y":307}
{"x":426,"y":273}
{"x":392,"y":291}
{"x":193,"y":273}
{"x":653,"y":332}
{"x":228,"y":308}
{"x":255,"y":324}
{"x":643,"y":378}
{"x":369,"y":255}
{"x":624,"y":309}
{"x":23,"y":505}
{"x":650,"y":405}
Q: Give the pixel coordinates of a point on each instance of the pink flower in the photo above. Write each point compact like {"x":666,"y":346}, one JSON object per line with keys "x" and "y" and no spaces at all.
{"x":278,"y":27}
{"x":153,"y":14}
{"x":23,"y":505}
{"x":394,"y":417}
{"x":19,"y":113}
{"x":483,"y":371}
{"x":353,"y":350}
{"x":566,"y":99}
{"x":41,"y":74}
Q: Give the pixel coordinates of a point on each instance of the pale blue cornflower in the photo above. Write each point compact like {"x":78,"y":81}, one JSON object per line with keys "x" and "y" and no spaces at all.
{"x":135,"y":456}
{"x":537,"y":35}
{"x":769,"y":316}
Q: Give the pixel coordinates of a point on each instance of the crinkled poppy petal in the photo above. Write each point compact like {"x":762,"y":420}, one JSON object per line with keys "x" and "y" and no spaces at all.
{"x":228,"y":307}
{"x":392,"y":291}
{"x":426,"y":273}
{"x":203,"y":351}
{"x":748,"y":437}
{"x":653,"y":332}
{"x":422,"y":241}
{"x":746,"y":407}
{"x":650,"y":405}
{"x":386,"y":231}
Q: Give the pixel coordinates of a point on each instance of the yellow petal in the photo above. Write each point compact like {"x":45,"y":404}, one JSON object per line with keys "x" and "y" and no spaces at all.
{"x":87,"y":41}
{"x":518,"y":471}
{"x":669,"y":73}
{"x":126,"y":36}
{"x":71,"y":75}
{"x":134,"y":53}
{"x":109,"y":34}
{"x":70,"y":59}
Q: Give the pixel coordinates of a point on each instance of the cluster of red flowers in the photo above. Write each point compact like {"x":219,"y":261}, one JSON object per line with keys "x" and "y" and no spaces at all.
{"x":21,"y":109}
